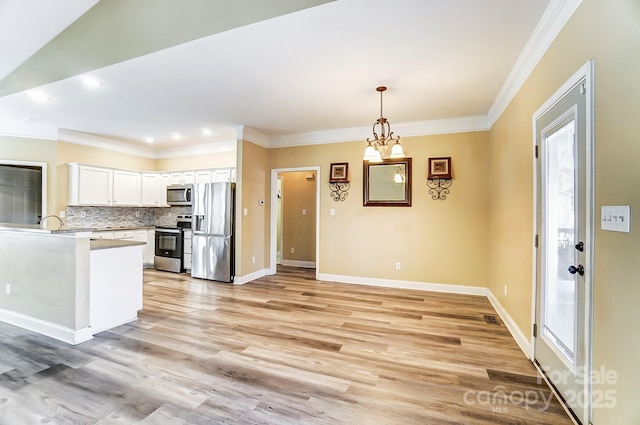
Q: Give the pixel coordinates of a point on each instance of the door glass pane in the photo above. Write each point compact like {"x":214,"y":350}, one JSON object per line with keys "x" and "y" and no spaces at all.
{"x":559,"y":284}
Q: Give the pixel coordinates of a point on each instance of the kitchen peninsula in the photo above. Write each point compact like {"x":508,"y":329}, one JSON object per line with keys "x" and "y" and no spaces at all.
{"x":63,"y":284}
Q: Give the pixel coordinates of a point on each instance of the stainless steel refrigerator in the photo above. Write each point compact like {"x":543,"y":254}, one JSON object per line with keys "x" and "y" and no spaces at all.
{"x":213,"y":228}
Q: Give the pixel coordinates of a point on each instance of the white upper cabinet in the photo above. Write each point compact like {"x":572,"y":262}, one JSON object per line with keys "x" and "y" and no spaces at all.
{"x":182,"y":177}
{"x":151,"y":193}
{"x":98,"y":186}
{"x":188,"y":177}
{"x":126,"y":188}
{"x":101,"y":186}
{"x":203,"y":176}
{"x":90,"y":185}
{"x":221,"y":176}
{"x":165,"y":180}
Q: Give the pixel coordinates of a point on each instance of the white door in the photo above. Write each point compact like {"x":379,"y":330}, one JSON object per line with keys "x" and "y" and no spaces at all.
{"x":564,"y":226}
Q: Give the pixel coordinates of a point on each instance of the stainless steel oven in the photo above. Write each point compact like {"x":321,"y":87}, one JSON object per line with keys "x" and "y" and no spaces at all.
{"x":168,"y":249}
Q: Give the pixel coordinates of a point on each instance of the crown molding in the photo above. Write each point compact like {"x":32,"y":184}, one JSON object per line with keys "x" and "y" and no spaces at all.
{"x":554,"y":18}
{"x":408,"y":129}
{"x":209,"y":148}
{"x":80,"y":138}
{"x":34,"y":135}
{"x":250,"y":134}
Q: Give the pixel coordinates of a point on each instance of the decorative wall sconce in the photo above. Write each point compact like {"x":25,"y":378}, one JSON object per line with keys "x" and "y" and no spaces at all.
{"x":339,"y":181}
{"x":439,"y":179}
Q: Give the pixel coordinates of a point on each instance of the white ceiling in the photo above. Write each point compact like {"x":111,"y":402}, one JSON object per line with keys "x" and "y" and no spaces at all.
{"x":308,"y":71}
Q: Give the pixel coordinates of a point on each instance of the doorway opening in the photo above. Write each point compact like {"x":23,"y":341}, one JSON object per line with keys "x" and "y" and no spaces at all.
{"x":295,"y":203}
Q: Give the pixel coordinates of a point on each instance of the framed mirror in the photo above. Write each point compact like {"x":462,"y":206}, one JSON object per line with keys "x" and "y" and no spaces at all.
{"x":387,"y":183}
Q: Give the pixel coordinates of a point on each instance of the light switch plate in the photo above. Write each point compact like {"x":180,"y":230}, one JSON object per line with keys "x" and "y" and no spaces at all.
{"x":615,"y":218}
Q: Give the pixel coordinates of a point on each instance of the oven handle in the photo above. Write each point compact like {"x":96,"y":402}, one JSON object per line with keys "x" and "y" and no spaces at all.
{"x":168,"y":231}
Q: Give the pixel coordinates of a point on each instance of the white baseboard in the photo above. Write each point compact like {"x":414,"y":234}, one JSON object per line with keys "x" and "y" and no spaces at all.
{"x":49,"y":329}
{"x":405,"y":284}
{"x":521,"y":339}
{"x":241,"y":280}
{"x":296,"y":263}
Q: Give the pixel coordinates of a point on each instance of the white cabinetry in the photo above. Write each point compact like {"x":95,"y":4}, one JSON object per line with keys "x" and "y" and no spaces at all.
{"x":165,"y":180}
{"x":98,"y":186}
{"x":187,"y":249}
{"x":90,"y":185}
{"x":151,"y":193}
{"x":126,"y":188}
{"x":203,"y":176}
{"x":182,"y":177}
{"x":221,"y":176}
{"x":101,"y":186}
{"x":102,"y":235}
{"x":147,"y":236}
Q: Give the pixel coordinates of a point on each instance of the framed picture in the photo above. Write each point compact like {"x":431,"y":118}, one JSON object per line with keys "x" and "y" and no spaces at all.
{"x":339,"y":172}
{"x":440,"y":168}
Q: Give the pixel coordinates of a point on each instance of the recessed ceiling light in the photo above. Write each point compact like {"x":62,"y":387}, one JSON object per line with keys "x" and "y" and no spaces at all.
{"x":176,"y":136}
{"x":39,"y":96}
{"x":149,"y":139}
{"x":90,"y":81}
{"x":206,"y":132}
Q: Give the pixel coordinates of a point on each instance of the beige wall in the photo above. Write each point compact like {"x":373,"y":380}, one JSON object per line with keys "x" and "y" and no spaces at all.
{"x":36,"y":150}
{"x":194,"y":162}
{"x":609,"y":32}
{"x":252,"y":230}
{"x":435,"y":241}
{"x":299,"y":231}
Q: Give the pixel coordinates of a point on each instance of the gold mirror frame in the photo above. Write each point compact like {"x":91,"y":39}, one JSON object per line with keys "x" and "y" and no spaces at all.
{"x":377,"y":192}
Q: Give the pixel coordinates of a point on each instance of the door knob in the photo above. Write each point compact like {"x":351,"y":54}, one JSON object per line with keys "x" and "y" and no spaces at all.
{"x":580,"y":246}
{"x":579,"y":269}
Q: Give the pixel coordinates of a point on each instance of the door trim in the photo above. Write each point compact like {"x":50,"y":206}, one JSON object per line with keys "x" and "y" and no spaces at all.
{"x":586,"y":72}
{"x":273,"y":239}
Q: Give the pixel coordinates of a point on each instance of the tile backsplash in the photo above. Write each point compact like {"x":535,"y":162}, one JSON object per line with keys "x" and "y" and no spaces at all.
{"x":100,"y":217}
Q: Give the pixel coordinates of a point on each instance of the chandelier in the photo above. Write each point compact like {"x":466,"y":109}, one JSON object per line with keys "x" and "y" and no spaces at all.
{"x":382,"y":137}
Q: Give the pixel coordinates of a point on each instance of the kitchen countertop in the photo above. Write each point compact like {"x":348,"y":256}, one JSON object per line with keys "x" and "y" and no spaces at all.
{"x":117,"y":228}
{"x":35,"y":228}
{"x":112,"y":243}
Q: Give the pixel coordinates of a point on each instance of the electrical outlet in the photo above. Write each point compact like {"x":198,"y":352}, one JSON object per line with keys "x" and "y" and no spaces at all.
{"x":137,"y":213}
{"x":83,"y":214}
{"x":304,"y":211}
{"x":397,"y":266}
{"x":62,"y":214}
{"x":7,"y":288}
{"x":292,"y":250}
{"x":505,"y":289}
{"x":253,"y":260}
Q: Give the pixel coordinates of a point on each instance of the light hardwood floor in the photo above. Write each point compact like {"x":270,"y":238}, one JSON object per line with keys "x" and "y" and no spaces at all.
{"x":285,"y":349}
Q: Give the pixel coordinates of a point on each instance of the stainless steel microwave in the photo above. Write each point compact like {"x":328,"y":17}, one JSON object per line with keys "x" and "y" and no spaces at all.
{"x":179,"y":194}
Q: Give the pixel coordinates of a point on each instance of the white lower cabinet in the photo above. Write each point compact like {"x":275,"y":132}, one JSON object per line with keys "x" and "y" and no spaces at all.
{"x":102,"y":235}
{"x":147,"y":236}
{"x":141,"y":235}
{"x":187,"y":240}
